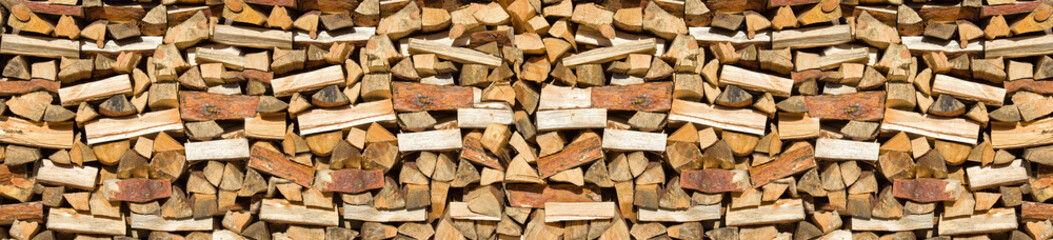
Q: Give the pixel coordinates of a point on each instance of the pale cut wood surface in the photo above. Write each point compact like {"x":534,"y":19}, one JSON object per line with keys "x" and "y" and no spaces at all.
{"x":782,"y":211}
{"x":68,"y":220}
{"x":158,"y":223}
{"x":252,"y":37}
{"x":282,"y":211}
{"x":692,"y":214}
{"x":371,"y":214}
{"x":592,"y":37}
{"x":811,"y":37}
{"x":758,"y":81}
{"x":354,"y":35}
{"x":714,"y":35}
{"x":995,"y":220}
{"x":99,"y":89}
{"x":833,"y":60}
{"x":14,"y":44}
{"x":559,"y":97}
{"x":575,"y":211}
{"x":288,"y":85}
{"x":607,"y":54}
{"x":837,"y":149}
{"x":919,"y":45}
{"x":798,"y":126}
{"x":226,"y":149}
{"x":739,"y":120}
{"x":962,"y":89}
{"x":270,"y":127}
{"x":1017,"y":135}
{"x":628,"y":140}
{"x":482,"y":117}
{"x":993,"y":175}
{"x":906,"y":223}
{"x":328,"y":119}
{"x":144,"y":45}
{"x":1019,"y":46}
{"x":566,"y":119}
{"x":951,"y":129}
{"x":435,"y":140}
{"x":112,"y":129}
{"x":456,"y":54}
{"x":459,"y":210}
{"x":22,"y":132}
{"x":79,"y":177}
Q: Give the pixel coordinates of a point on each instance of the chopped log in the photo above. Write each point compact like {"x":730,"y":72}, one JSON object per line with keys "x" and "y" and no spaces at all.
{"x":456,"y":54}
{"x":483,"y":117}
{"x":607,"y":54}
{"x":69,"y":220}
{"x":409,"y":97}
{"x":811,"y":37}
{"x":788,"y":163}
{"x":781,"y":211}
{"x":252,"y":37}
{"x":906,"y":223}
{"x":714,"y":180}
{"x":626,"y":140}
{"x":282,"y":211}
{"x":274,"y":163}
{"x":99,"y":89}
{"x":577,"y":211}
{"x":556,"y":97}
{"x":1017,"y":47}
{"x":981,"y":177}
{"x":307,"y":81}
{"x":742,"y":120}
{"x":80,"y":177}
{"x":110,"y":129}
{"x":995,"y":220}
{"x":571,"y":119}
{"x":325,"y":120}
{"x":845,"y":150}
{"x":775,"y":85}
{"x":863,"y":106}
{"x":21,"y":212}
{"x":639,"y":97}
{"x":369,"y":213}
{"x":349,"y":180}
{"x":157,"y":223}
{"x":927,"y":189}
{"x":577,"y":153}
{"x":437,"y":140}
{"x":227,"y":149}
{"x":536,"y":195}
{"x":136,"y":189}
{"x":956,"y":129}
{"x":14,"y":44}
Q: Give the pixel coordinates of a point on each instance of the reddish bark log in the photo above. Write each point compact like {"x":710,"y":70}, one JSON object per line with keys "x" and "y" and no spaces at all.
{"x":536,"y":195}
{"x":202,"y":106}
{"x":651,"y":97}
{"x":575,"y":154}
{"x":274,"y":163}
{"x":925,"y":190}
{"x":413,"y":97}
{"x":473,"y":151}
{"x":8,"y":88}
{"x":789,"y":163}
{"x":713,"y":181}
{"x":138,"y":190}
{"x":862,"y":106}
{"x":21,"y":211}
{"x":353,"y":181}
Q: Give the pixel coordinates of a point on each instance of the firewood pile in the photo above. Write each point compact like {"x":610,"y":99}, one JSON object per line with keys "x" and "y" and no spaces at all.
{"x":526,"y":119}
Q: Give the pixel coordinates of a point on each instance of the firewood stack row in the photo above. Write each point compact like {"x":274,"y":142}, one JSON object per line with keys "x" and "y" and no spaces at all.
{"x":526,"y":119}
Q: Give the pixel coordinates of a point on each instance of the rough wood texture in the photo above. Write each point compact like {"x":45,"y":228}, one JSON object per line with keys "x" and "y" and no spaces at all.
{"x":411,"y":97}
{"x":324,"y":120}
{"x":742,"y":120}
{"x":862,"y":106}
{"x":652,"y":97}
{"x":952,"y":129}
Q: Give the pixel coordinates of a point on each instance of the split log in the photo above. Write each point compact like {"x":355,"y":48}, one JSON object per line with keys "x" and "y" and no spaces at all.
{"x":483,"y":117}
{"x":788,"y":163}
{"x":578,"y":211}
{"x":536,"y":195}
{"x":252,"y":37}
{"x":742,"y":120}
{"x":98,"y":89}
{"x":325,"y":120}
{"x":652,"y":97}
{"x":626,"y":140}
{"x":158,"y":223}
{"x":79,"y":177}
{"x":1018,"y":47}
{"x":272,"y":162}
{"x":112,"y":129}
{"x":995,"y":220}
{"x":781,"y":211}
{"x":981,"y":177}
{"x":1016,"y":135}
{"x":69,"y":220}
{"x":607,"y":54}
{"x":951,"y":129}
{"x":227,"y":149}
{"x":692,"y":214}
{"x":907,"y":222}
{"x":811,"y":37}
{"x":836,"y":149}
{"x":14,"y":44}
{"x":411,"y":97}
{"x":577,"y":153}
{"x":571,"y":119}
{"x":777,"y":86}
{"x":371,"y":214}
{"x":23,"y":132}
{"x":456,"y":54}
{"x":282,"y":211}
{"x":286,"y":86}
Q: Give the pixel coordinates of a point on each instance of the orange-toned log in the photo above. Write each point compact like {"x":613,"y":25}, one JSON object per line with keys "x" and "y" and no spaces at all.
{"x":54,"y":9}
{"x":714,"y":180}
{"x":203,"y":106}
{"x":926,"y":189}
{"x":788,"y":163}
{"x":1036,"y":210}
{"x":862,"y":106}
{"x":473,"y":151}
{"x":351,"y":180}
{"x":115,"y":13}
{"x":1009,"y":9}
{"x":8,"y":88}
{"x":275,"y":163}
{"x":1040,"y":87}
{"x":651,"y":97}
{"x":536,"y":195}
{"x":137,"y":189}
{"x":575,"y":154}
{"x":413,"y":97}
{"x":21,"y":211}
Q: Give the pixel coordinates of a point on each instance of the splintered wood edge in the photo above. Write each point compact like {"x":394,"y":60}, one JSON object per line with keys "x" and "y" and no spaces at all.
{"x":906,"y":223}
{"x":112,"y":129}
{"x":951,"y":129}
{"x":369,"y":213}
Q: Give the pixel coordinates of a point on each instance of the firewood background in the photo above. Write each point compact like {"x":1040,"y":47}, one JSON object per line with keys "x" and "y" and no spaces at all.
{"x":526,"y":119}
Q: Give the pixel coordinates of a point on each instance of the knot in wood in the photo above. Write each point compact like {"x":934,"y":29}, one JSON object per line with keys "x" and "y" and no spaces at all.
{"x":423,"y":100}
{"x":854,"y":110}
{"x":211,"y":109}
{"x":640,"y":100}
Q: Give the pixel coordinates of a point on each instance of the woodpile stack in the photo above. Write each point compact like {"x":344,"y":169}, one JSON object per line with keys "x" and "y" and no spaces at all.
{"x":526,"y":119}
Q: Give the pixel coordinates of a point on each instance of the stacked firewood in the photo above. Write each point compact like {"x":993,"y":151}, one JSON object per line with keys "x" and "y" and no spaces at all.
{"x":526,"y":119}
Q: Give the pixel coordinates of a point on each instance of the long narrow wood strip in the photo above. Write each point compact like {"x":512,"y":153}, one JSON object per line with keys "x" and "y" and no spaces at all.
{"x":14,"y":44}
{"x":157,"y":223}
{"x":224,"y":149}
{"x":286,"y":86}
{"x":144,"y":45}
{"x":861,"y":106}
{"x":456,"y":54}
{"x":355,"y":35}
{"x":710,"y":35}
{"x":566,"y":119}
{"x":836,"y":149}
{"x":651,"y":97}
{"x":95,"y":90}
{"x":907,"y":222}
{"x":204,"y":106}
{"x":1019,"y":47}
{"x":981,"y":177}
{"x":371,"y":214}
{"x":782,"y":211}
{"x":776,"y":85}
{"x":1018,"y":135}
{"x":275,"y":163}
{"x":68,"y":220}
{"x":1040,"y":87}
{"x":459,"y":210}
{"x":282,"y":211}
{"x":575,"y":154}
{"x":739,"y":120}
{"x":952,"y":129}
{"x":811,"y":37}
{"x":12,"y":87}
{"x":46,"y":135}
{"x":628,"y":140}
{"x":919,"y":45}
{"x":413,"y":97}
{"x":607,"y":54}
{"x":578,"y":211}
{"x":328,"y":119}
{"x":435,"y":140}
{"x":79,"y":177}
{"x":112,"y":129}
{"x":693,"y":214}
{"x":995,"y":220}
{"x":482,"y":117}
{"x":21,"y":211}
{"x":990,"y":95}
{"x":252,"y":37}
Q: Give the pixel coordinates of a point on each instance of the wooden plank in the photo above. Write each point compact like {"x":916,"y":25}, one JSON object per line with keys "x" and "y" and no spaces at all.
{"x":157,"y":223}
{"x":927,"y":189}
{"x":224,"y":149}
{"x":628,"y":140}
{"x":566,"y":119}
{"x":575,"y":154}
{"x":413,"y":97}
{"x":370,"y":214}
{"x":607,"y":54}
{"x":12,"y":87}
{"x":459,"y":210}
{"x":79,"y":177}
{"x":435,"y":140}
{"x":95,"y":90}
{"x":968,"y":90}
{"x":995,"y":220}
{"x":1016,"y":47}
{"x":560,"y":97}
{"x":53,"y":9}
{"x":919,"y":45}
{"x":788,"y":163}
{"x":651,"y":97}
{"x":329,"y":119}
{"x":456,"y":54}
{"x":537,"y":195}
{"x":1018,"y":135}
{"x":693,"y":214}
{"x":282,"y":211}
{"x":252,"y":37}
{"x":715,"y":180}
{"x":951,"y":129}
{"x":22,"y":132}
{"x":275,"y":163}
{"x":307,"y":81}
{"x":137,"y":190}
{"x":112,"y":129}
{"x":204,"y":106}
{"x":14,"y":44}
{"x":144,"y":45}
{"x":578,"y":211}
{"x":1036,"y":210}
{"x":860,"y":106}
{"x":907,"y":222}
{"x":68,"y":220}
{"x":758,"y":81}
{"x":1040,"y":87}
{"x":349,"y":180}
{"x":711,"y":35}
{"x":1009,"y":9}
{"x":21,"y":211}
{"x":782,"y":211}
{"x":739,"y":120}
{"x":482,"y":117}
{"x":811,"y":37}
{"x":981,"y":177}
{"x":836,"y":149}
{"x":354,"y":35}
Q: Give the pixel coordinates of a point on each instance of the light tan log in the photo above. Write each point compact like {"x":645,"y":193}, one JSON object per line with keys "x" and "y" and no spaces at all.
{"x":906,"y":223}
{"x":252,"y":37}
{"x":994,"y":175}
{"x":739,"y":120}
{"x":112,"y":129}
{"x":14,"y":44}
{"x":558,"y":97}
{"x":79,"y":177}
{"x":270,"y":127}
{"x":226,"y":149}
{"x":566,"y":119}
{"x":456,"y":54}
{"x":355,"y":35}
{"x":836,"y":149}
{"x":157,"y":223}
{"x":1016,"y":47}
{"x":592,"y":37}
{"x":371,"y":214}
{"x":46,"y":135}
{"x":782,"y":211}
{"x":282,"y":211}
{"x":714,"y":35}
{"x":811,"y":37}
{"x":482,"y":117}
{"x":286,"y":86}
{"x":628,"y":140}
{"x":1017,"y":135}
{"x":142,"y":45}
{"x":576,"y":211}
{"x":607,"y":54}
{"x":68,"y":220}
{"x":99,"y":89}
{"x":435,"y":140}
{"x":329,"y":119}
{"x":962,"y":89}
{"x":919,"y":45}
{"x":693,"y":214}
{"x":776,"y":85}
{"x":995,"y":220}
{"x":951,"y":129}
{"x":459,"y":210}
